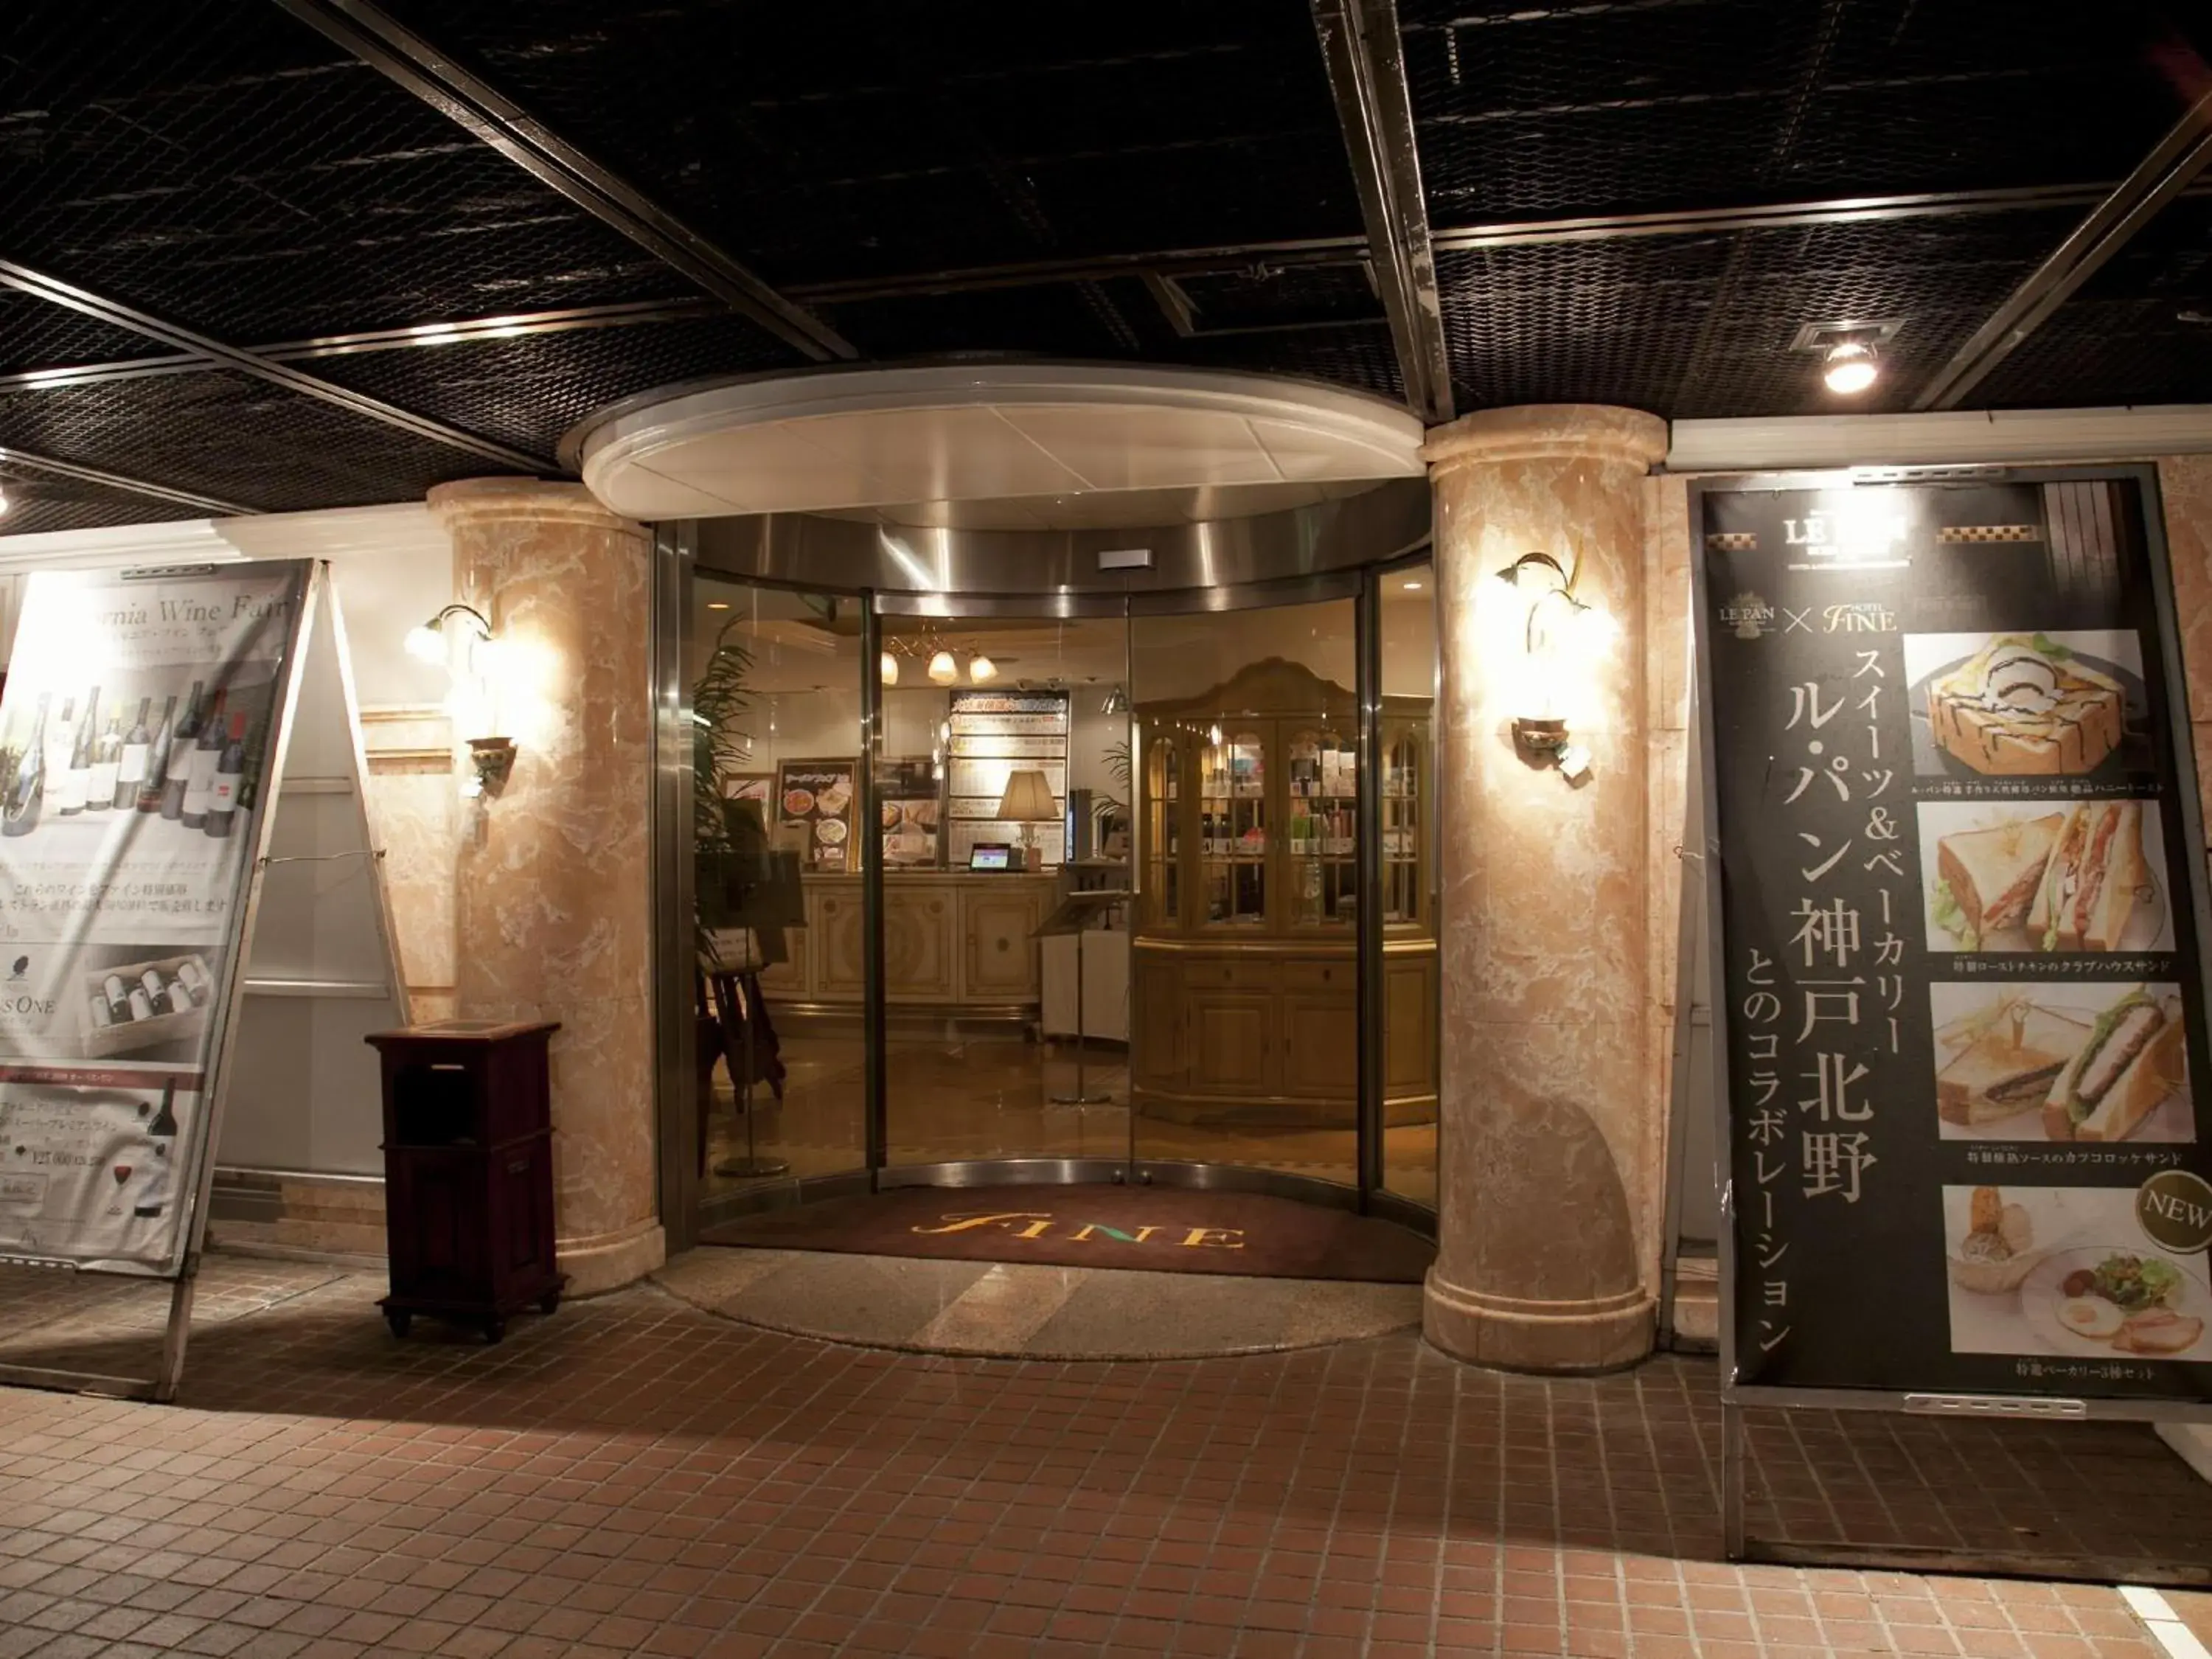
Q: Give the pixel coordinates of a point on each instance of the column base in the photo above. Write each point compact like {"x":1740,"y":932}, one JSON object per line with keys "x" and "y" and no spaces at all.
{"x":607,"y":1261}
{"x":1600,"y":1335}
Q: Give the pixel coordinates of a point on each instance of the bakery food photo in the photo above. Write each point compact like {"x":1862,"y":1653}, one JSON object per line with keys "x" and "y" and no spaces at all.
{"x":2026,"y":706}
{"x":2133,"y":1062}
{"x":2065,"y":878}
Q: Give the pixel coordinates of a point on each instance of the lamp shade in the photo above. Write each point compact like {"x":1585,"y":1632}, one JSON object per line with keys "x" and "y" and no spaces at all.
{"x":1027,"y":798}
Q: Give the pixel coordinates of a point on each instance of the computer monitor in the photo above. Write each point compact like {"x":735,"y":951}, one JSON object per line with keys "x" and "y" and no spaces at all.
{"x":991,"y":855}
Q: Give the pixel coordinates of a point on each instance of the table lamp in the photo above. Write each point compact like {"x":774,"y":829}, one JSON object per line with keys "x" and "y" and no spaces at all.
{"x":1027,"y":801}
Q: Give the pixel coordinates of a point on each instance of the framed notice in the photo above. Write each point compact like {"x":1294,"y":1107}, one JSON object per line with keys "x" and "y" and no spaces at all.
{"x":1959,"y":923}
{"x":139,"y":734}
{"x":994,"y":735}
{"x":814,"y":812}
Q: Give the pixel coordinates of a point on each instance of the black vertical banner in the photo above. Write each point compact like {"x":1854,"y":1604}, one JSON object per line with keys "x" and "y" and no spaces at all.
{"x":1959,"y":884}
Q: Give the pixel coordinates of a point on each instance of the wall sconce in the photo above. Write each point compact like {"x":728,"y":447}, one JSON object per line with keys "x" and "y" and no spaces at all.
{"x":491,"y":759}
{"x":887,"y":668}
{"x":1558,"y":636}
{"x":943,"y":670}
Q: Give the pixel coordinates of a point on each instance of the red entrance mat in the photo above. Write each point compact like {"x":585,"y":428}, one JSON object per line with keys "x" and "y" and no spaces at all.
{"x":1161,"y":1229}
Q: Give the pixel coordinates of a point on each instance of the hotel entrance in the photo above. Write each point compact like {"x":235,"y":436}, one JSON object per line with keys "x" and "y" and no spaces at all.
{"x":1130,"y":886}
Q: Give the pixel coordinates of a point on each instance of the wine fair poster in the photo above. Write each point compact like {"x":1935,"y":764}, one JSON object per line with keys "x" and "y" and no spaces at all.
{"x":140,"y":715}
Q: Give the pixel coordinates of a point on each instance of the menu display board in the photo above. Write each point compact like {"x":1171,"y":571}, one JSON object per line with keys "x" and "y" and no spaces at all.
{"x":138,"y":721}
{"x":992,"y":734}
{"x":907,"y":793}
{"x":1960,"y":901}
{"x":814,"y":812}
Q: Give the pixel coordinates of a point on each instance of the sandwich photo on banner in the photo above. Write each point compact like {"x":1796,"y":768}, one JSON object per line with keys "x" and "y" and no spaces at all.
{"x":2065,"y":1062}
{"x":1998,"y":707}
{"x":2059,"y":876}
{"x":2068,"y":1272}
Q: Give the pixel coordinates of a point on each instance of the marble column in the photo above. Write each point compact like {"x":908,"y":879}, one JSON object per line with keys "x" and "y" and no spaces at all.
{"x":1548,"y":1104}
{"x":553,"y":880}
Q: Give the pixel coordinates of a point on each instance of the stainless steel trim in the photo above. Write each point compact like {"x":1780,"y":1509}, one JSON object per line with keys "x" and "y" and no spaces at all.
{"x":406,"y":58}
{"x":673,"y":957}
{"x":875,"y":1036}
{"x":2163,"y":174}
{"x":1367,"y":879}
{"x":1196,"y":564}
{"x":214,"y":504}
{"x":1361,"y":45}
{"x":114,"y":313}
{"x":511,"y":327}
{"x":735,"y":1203}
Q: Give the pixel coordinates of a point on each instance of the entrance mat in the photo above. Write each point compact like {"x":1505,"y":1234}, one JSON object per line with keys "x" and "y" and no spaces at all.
{"x":1161,"y":1229}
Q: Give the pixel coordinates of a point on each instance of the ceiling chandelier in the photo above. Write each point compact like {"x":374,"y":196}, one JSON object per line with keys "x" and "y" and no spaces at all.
{"x":941,"y":663}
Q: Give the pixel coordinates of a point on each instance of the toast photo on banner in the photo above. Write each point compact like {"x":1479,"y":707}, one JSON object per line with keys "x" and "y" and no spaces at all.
{"x":2000,"y":707}
{"x":2076,"y":1062}
{"x":2064,"y":878}
{"x":2068,"y":1272}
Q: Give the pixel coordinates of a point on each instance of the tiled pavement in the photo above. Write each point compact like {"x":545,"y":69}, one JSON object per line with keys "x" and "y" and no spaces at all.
{"x":636,"y":1476}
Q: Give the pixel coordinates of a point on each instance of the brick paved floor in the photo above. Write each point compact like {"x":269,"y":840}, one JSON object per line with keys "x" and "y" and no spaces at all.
{"x":636,"y":1476}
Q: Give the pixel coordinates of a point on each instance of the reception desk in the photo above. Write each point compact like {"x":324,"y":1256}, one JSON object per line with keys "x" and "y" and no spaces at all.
{"x":964,"y":944}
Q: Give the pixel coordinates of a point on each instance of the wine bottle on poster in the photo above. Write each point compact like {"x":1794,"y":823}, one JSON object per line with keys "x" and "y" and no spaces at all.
{"x":27,"y":785}
{"x":76,"y":782}
{"x":157,"y":761}
{"x":229,"y":772}
{"x":106,"y":762}
{"x":177,"y":772}
{"x":137,"y":746}
{"x":199,"y":778}
{"x":161,"y":1169}
{"x":61,"y":735}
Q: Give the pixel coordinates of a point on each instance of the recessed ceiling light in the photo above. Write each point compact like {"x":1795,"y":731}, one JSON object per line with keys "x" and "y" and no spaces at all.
{"x":1411,"y":586}
{"x":718,"y":604}
{"x":1852,"y":368}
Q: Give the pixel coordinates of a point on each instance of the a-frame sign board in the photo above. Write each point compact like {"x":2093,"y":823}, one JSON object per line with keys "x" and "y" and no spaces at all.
{"x":150,"y":855}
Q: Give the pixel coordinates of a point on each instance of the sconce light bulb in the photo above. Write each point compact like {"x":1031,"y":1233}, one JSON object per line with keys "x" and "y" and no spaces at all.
{"x":981,"y":670}
{"x":1213,"y":736}
{"x":426,"y":643}
{"x":943,"y":670}
{"x":889,"y":669}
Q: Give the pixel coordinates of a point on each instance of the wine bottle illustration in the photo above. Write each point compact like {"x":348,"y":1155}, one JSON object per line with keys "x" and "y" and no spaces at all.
{"x":26,"y":784}
{"x":76,"y":782}
{"x":229,"y":772}
{"x":61,"y":736}
{"x":157,"y":761}
{"x":106,"y":762}
{"x":137,"y":743}
{"x":160,"y":1175}
{"x":178,"y":769}
{"x":199,"y":778}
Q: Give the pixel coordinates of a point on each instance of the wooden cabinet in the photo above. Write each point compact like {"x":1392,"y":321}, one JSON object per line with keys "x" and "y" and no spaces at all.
{"x":998,"y":932}
{"x":468,"y":1172}
{"x":918,"y":950}
{"x":1244,"y":976}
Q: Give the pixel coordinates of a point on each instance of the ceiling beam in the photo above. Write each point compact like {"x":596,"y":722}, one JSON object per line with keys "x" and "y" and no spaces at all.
{"x":10,"y":456}
{"x":396,"y":51}
{"x":1367,"y":72}
{"x":2170,"y":168}
{"x":116,"y":314}
{"x":514,"y":326}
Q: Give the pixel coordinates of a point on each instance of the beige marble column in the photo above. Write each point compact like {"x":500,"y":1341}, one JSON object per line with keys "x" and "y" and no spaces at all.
{"x":553,"y":881}
{"x":1548,"y":1102}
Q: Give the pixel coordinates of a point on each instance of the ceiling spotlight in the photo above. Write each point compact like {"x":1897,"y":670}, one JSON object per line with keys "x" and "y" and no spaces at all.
{"x":982,"y":669}
{"x":889,"y":669}
{"x":1852,"y":367}
{"x":1410,"y":586}
{"x":943,"y":670}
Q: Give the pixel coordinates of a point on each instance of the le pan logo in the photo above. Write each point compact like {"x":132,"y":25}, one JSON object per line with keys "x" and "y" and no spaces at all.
{"x":1749,"y":617}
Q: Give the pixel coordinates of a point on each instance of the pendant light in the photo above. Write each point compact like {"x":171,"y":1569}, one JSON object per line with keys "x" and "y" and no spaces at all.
{"x":943,"y":670}
{"x":981,"y":670}
{"x":889,"y":669}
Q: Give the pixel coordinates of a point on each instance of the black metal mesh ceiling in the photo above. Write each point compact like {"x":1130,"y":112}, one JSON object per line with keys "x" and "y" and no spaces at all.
{"x":222,"y":164}
{"x":39,"y":500}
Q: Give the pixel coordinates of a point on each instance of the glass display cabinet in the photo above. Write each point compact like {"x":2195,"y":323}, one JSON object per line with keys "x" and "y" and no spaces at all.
{"x":1245,"y":988}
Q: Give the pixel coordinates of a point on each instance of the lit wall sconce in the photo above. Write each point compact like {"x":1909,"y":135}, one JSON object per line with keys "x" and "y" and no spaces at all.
{"x":943,"y":670}
{"x":981,"y":670}
{"x":468,"y":665}
{"x":888,"y":669}
{"x":1558,"y":639}
{"x":492,"y":759}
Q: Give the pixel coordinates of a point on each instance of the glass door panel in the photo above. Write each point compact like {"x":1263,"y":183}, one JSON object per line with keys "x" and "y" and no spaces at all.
{"x":1245,"y":999}
{"x":1408,"y":814}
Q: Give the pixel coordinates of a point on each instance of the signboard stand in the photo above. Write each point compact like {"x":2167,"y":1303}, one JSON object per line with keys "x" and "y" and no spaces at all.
{"x":261,"y":658}
{"x":1976,"y":1112}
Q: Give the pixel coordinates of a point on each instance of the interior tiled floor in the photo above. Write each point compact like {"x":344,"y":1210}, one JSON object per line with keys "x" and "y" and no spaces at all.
{"x":634,"y":1475}
{"x":986,"y":1094}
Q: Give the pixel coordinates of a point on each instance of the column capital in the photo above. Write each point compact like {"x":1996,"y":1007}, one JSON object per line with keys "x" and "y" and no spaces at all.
{"x":523,"y":501}
{"x":1595,"y":432}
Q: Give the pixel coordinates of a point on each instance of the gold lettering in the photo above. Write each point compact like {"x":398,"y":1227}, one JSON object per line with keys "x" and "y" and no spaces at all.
{"x":1035,"y":1229}
{"x":1214,"y":1238}
{"x":968,"y":1223}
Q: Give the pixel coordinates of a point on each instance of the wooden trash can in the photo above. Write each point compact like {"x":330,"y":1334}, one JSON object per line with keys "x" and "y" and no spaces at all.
{"x":468,"y":1172}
